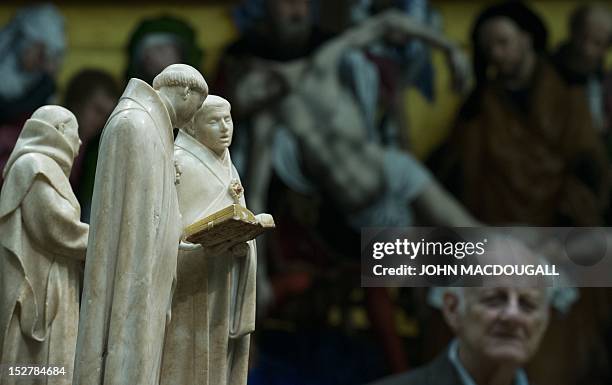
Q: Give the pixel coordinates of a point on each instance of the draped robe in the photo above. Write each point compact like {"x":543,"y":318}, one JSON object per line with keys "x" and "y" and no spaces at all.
{"x":213,"y":310}
{"x":543,"y":166}
{"x":42,"y":248}
{"x":133,"y":244}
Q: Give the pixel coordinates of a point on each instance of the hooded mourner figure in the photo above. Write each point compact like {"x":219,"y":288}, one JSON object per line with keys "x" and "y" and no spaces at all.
{"x":42,"y":247}
{"x":213,"y":310}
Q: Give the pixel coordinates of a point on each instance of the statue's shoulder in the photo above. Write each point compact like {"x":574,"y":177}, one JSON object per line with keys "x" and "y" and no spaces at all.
{"x":130,"y":116}
{"x":25,"y":161}
{"x":128,"y":124}
{"x":26,"y":167}
{"x":30,"y":166}
{"x":181,"y":154}
{"x":34,"y":163}
{"x":186,"y":160}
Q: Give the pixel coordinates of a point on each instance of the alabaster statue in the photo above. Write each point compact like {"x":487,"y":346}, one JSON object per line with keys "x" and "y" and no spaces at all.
{"x":135,"y":232}
{"x":42,"y":248}
{"x":213,"y":311}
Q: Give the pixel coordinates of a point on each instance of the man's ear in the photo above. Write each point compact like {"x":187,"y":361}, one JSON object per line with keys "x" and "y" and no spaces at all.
{"x":186,"y":92}
{"x":61,"y":127}
{"x":451,"y":309}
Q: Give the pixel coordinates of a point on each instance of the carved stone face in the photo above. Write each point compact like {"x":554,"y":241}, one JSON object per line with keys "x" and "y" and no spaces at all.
{"x":214,"y":127}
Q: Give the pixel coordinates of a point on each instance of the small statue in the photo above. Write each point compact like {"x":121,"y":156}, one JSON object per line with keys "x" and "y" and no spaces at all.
{"x":213,"y":311}
{"x":135,"y":232}
{"x":42,"y":248}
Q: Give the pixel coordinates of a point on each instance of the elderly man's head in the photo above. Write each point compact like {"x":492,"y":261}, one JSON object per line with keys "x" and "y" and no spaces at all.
{"x":212,"y":125}
{"x":498,"y":324}
{"x":184,"y":88}
{"x":503,"y":321}
{"x":590,"y":36}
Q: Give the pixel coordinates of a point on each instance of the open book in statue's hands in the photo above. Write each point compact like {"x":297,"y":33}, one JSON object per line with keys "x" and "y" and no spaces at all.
{"x":228,"y":227}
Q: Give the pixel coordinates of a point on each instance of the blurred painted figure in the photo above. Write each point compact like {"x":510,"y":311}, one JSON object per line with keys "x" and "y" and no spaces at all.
{"x":580,"y":59}
{"x":158,"y":42}
{"x":309,"y":104}
{"x":91,"y":95}
{"x":524,"y":149}
{"x":32,"y":46}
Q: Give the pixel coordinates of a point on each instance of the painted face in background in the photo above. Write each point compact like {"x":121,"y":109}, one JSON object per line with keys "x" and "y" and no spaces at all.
{"x":35,"y":58}
{"x":505,"y":45}
{"x":214,"y":127}
{"x":94,"y":113}
{"x":592,"y":40}
{"x":156,"y":57}
{"x":291,"y":18}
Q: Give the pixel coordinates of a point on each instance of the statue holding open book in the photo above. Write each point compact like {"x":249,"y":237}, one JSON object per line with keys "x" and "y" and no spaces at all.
{"x":213,"y":309}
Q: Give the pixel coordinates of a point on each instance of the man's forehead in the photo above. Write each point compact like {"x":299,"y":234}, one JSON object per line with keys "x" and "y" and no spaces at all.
{"x":535,"y":292}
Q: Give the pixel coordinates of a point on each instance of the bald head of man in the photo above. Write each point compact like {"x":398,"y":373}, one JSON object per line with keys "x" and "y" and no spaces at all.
{"x":590,"y":36}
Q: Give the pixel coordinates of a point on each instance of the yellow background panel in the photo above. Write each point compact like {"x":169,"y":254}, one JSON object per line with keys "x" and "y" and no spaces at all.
{"x":98,"y":35}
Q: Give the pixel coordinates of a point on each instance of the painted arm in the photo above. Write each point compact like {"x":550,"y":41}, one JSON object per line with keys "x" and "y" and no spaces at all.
{"x":439,"y":208}
{"x":326,"y":60}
